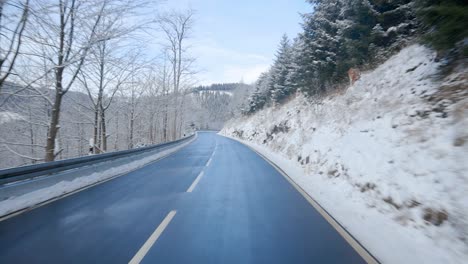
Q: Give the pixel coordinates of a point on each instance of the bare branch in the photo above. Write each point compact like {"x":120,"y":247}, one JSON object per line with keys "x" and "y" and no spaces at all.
{"x":21,"y":155}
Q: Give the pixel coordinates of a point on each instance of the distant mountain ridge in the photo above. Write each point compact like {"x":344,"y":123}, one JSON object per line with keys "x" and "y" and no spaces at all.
{"x":220,"y":87}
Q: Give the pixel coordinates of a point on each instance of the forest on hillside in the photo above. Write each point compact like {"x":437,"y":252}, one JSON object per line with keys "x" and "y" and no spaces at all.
{"x":344,"y":35}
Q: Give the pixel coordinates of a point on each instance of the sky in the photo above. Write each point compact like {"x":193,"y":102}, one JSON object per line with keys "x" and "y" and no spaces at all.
{"x":237,"y":40}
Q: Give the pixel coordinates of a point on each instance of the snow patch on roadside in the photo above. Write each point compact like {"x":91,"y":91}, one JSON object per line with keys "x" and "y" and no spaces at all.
{"x":387,"y":157}
{"x":31,"y":199}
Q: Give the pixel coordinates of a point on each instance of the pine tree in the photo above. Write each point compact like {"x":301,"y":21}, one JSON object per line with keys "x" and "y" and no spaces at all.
{"x":445,"y":21}
{"x":319,"y":46}
{"x":259,"y":97}
{"x":294,"y":79}
{"x":395,"y":24}
{"x":354,"y":35}
{"x":279,"y":87}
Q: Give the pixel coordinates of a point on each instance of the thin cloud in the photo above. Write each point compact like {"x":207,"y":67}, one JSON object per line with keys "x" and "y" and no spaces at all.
{"x":227,"y":65}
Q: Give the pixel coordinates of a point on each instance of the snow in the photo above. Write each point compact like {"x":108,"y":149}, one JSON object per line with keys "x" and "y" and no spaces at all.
{"x":33,"y":198}
{"x":382,"y":157}
{"x":7,"y":116}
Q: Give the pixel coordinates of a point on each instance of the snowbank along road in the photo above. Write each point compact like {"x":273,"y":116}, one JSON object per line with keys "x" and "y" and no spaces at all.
{"x":214,"y":201}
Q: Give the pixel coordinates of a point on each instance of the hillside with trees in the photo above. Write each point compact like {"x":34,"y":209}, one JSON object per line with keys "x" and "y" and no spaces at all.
{"x":81,"y":77}
{"x":123,"y":121}
{"x":361,"y":34}
{"x":215,"y":104}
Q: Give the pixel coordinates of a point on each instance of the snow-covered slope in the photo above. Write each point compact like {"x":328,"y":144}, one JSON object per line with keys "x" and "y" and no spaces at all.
{"x":7,"y":116}
{"x":388,"y":157}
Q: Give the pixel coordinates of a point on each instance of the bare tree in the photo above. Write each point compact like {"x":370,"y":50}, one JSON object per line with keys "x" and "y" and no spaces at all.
{"x":101,"y":80}
{"x":165,"y":82}
{"x":66,"y":31}
{"x":13,"y":19}
{"x":153,"y":89}
{"x":134,"y":99}
{"x":108,"y":65}
{"x":94,"y":45}
{"x":177,"y":27}
{"x":65,"y":48}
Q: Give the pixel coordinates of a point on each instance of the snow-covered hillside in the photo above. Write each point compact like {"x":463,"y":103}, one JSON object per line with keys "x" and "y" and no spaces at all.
{"x":388,"y":157}
{"x":7,"y":116}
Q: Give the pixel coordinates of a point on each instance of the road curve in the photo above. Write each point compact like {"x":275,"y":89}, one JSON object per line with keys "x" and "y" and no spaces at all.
{"x":214,"y":201}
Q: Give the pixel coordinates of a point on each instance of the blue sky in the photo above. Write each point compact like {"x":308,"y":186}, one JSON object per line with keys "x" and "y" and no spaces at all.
{"x":237,"y":40}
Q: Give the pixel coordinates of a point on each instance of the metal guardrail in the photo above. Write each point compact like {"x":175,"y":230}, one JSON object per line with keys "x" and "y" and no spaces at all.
{"x":43,"y":169}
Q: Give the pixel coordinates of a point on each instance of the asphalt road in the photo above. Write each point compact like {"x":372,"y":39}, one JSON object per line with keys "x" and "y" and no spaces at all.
{"x":214,"y":201}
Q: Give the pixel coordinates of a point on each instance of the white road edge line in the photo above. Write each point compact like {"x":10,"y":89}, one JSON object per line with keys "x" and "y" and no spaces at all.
{"x":363,"y":252}
{"x":152,"y":239}
{"x":195,"y":182}
{"x":209,"y":162}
